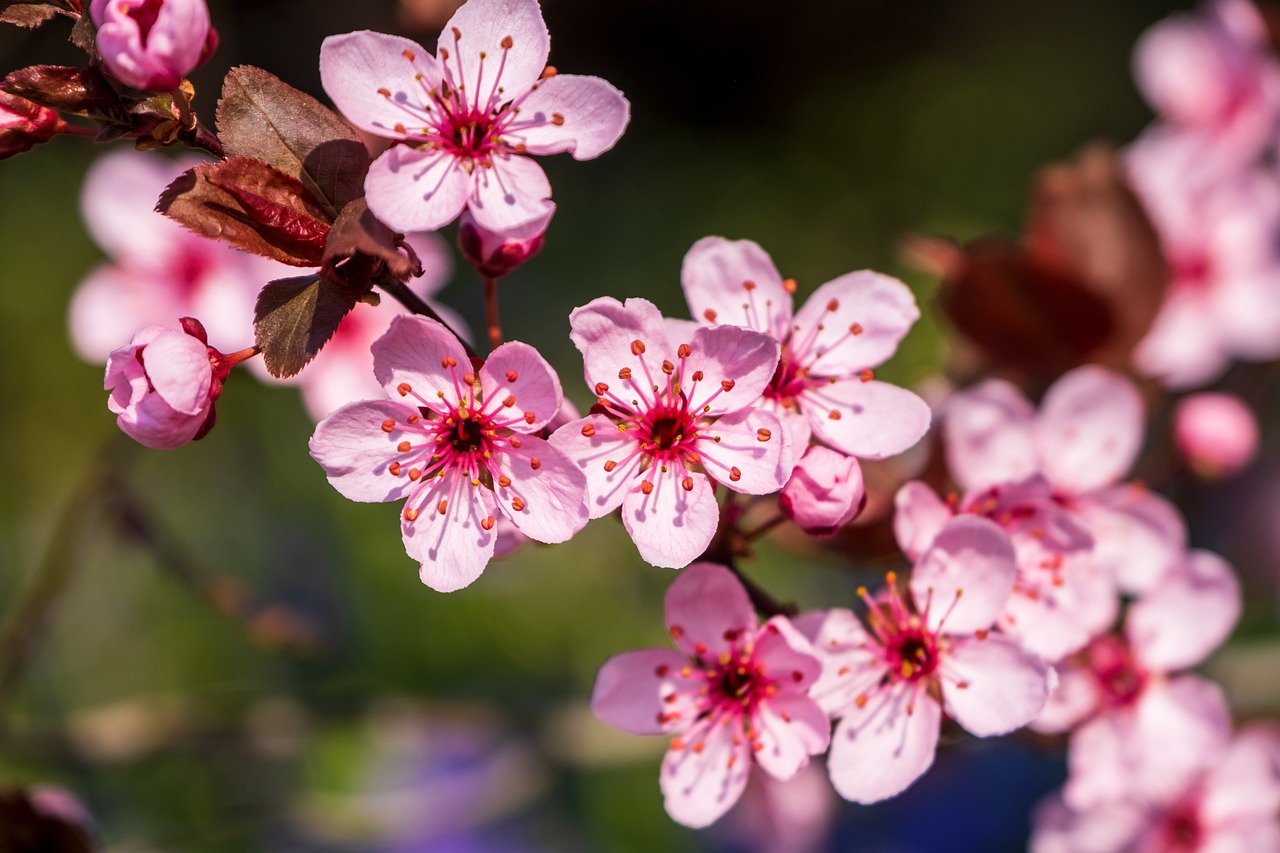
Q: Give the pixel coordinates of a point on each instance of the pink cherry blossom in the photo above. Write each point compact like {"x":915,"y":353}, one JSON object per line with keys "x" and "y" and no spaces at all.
{"x":495,"y":254}
{"x":1231,"y":804}
{"x":24,"y":124}
{"x":163,"y":386}
{"x":1139,"y":725}
{"x":824,"y":384}
{"x":1216,"y":433}
{"x":825,"y":491}
{"x":890,"y":681}
{"x":467,"y":116}
{"x":736,"y":693}
{"x":152,"y":44}
{"x":459,"y":445}
{"x":671,"y":420}
{"x":158,"y":270}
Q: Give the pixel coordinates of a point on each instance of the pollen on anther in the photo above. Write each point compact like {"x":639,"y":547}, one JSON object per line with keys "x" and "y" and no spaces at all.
{"x":834,"y":414}
{"x":442,"y":507}
{"x":384,"y":92}
{"x":504,"y":481}
{"x":488,"y":522}
{"x":405,"y":389}
{"x":400,"y":128}
{"x":735,"y":474}
{"x":517,"y":504}
{"x":388,"y":425}
{"x":727,"y":384}
{"x":637,"y":347}
{"x":549,"y":71}
{"x":855,"y":329}
{"x":404,"y":447}
{"x":646,"y":487}
{"x":515,"y":442}
{"x":687,"y":484}
{"x":557,"y":119}
{"x":410,"y":514}
{"x":668,"y":368}
{"x":861,"y":701}
{"x":601,"y":389}
{"x":512,"y":376}
{"x":394,"y":469}
{"x":710,"y":315}
{"x":535,"y":463}
{"x":448,"y":361}
{"x":684,"y":351}
{"x":609,"y":465}
{"x":407,"y":54}
{"x":414,"y":473}
{"x":507,"y":43}
{"x":697,"y":376}
{"x":866,"y":375}
{"x":588,"y":430}
{"x":763,"y":434}
{"x":624,"y":373}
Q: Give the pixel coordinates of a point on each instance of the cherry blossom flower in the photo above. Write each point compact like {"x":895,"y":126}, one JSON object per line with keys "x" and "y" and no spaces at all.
{"x":152,"y":44}
{"x":1138,"y":726}
{"x":735,"y":691}
{"x":495,"y":254}
{"x":889,"y":682}
{"x":24,"y":125}
{"x":468,"y":115}
{"x":671,"y":420}
{"x":158,"y":270}
{"x":824,"y":384}
{"x":825,"y":491}
{"x":459,"y":445}
{"x":1230,"y":805}
{"x":1216,"y":433}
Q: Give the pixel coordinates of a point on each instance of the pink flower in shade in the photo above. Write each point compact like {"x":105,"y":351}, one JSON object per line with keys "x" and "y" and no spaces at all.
{"x":460,"y":445}
{"x":467,"y":115}
{"x":1229,"y":806}
{"x":825,"y":491}
{"x":1084,"y":439}
{"x":163,"y":385}
{"x":1139,"y":727}
{"x":735,"y":691}
{"x":824,"y":383}
{"x":24,"y":124}
{"x":1216,"y":433}
{"x":152,"y":44}
{"x":671,"y":420}
{"x":889,"y":682}
{"x":494,"y":254}
{"x":158,"y":270}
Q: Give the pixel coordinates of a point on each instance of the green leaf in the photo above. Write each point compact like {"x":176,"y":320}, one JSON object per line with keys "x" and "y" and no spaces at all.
{"x":295,"y":317}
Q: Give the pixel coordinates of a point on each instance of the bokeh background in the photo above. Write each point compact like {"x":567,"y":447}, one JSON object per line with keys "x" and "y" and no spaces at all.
{"x":236,"y":658}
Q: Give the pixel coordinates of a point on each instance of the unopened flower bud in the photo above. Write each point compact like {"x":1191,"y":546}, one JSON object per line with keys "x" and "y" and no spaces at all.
{"x":1216,"y":433}
{"x":825,"y":491}
{"x":493,"y":254}
{"x":24,"y":124}
{"x":152,"y":44}
{"x":163,"y":387}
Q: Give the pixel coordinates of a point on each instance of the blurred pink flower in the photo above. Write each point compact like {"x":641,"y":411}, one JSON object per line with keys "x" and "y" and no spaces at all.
{"x":151,"y":44}
{"x":1216,"y":433}
{"x":735,"y":691}
{"x":462,"y":448}
{"x":889,"y":682}
{"x":671,"y":420}
{"x":467,"y":115}
{"x":825,"y":491}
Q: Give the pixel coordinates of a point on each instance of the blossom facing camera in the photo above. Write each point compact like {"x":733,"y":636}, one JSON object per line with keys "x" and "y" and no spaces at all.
{"x":163,"y":387}
{"x":23,"y":125}
{"x":493,"y":254}
{"x":825,"y":491}
{"x":1217,"y":434}
{"x":152,"y":44}
{"x":465,"y":117}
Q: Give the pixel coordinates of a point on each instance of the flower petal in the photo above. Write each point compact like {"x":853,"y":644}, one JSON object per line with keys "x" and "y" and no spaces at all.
{"x":552,"y":497}
{"x":708,"y":611}
{"x":852,"y":322}
{"x":1187,"y":615}
{"x":592,"y":115}
{"x":1076,"y":697}
{"x":415,"y":352}
{"x":991,"y":685}
{"x":354,"y":67}
{"x":630,"y":690}
{"x":452,"y":546}
{"x":516,"y":370}
{"x":881,"y":748}
{"x":751,"y":442}
{"x":741,"y":357}
{"x":852,"y":664}
{"x":966,"y":576}
{"x":1090,"y":428}
{"x":871,"y":420}
{"x":178,"y":368}
{"x":791,"y":728}
{"x":1138,"y":535}
{"x":918,"y":516}
{"x":591,"y":444}
{"x":479,"y":27}
{"x":671,"y":525}
{"x":604,"y":331}
{"x":989,"y":434}
{"x":735,"y":282}
{"x":354,"y":450}
{"x":702,"y":781}
{"x":413,"y":189}
{"x":509,"y":192}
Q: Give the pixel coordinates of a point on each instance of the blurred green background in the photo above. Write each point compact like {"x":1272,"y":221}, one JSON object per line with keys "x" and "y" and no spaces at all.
{"x":358,"y":709}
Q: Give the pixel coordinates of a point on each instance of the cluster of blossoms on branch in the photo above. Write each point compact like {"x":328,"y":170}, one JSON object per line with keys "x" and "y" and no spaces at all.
{"x":1047,"y":590}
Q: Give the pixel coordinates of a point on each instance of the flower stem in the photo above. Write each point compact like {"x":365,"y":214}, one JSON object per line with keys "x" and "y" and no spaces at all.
{"x":491,"y":312}
{"x":763,"y":528}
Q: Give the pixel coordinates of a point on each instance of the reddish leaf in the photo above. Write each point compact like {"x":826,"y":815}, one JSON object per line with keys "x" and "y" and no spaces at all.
{"x":295,"y":317}
{"x":27,"y":14}
{"x":358,"y":231}
{"x":67,"y":89}
{"x":252,"y":206}
{"x":261,"y":116}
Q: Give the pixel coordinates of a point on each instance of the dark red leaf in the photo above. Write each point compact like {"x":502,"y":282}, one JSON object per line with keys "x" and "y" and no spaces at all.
{"x":295,"y":317}
{"x":358,"y":231}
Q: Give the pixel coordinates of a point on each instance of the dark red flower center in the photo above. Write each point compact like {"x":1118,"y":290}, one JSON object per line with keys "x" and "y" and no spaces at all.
{"x":145,"y":13}
{"x":912,"y":654}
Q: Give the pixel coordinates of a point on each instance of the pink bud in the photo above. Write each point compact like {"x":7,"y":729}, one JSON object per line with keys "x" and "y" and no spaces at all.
{"x":24,"y":124}
{"x":1216,"y":433}
{"x":152,"y":44}
{"x":163,"y":387}
{"x":825,"y":491}
{"x":493,"y":253}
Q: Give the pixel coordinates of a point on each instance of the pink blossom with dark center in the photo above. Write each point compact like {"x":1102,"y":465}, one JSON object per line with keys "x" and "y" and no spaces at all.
{"x":736,"y":693}
{"x":459,"y":445}
{"x":824,"y":384}
{"x":889,"y":681}
{"x":671,"y":419}
{"x":466,"y":116}
{"x":152,"y":44}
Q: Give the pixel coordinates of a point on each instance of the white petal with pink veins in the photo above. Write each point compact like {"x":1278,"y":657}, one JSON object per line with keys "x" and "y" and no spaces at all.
{"x":178,"y":368}
{"x":482,"y":26}
{"x":965,"y":577}
{"x":516,"y":370}
{"x":708,"y":611}
{"x":992,"y":685}
{"x":1138,"y":535}
{"x":355,"y":66}
{"x":871,"y":420}
{"x":744,"y":358}
{"x":509,"y":192}
{"x":671,"y":525}
{"x":703,"y":780}
{"x":791,"y":728}
{"x":604,"y":331}
{"x":880,"y":749}
{"x":552,"y":497}
{"x":607,"y":484}
{"x":1090,"y":428}
{"x":787,"y":656}
{"x":715,"y":275}
{"x":989,"y":433}
{"x":452,"y":546}
{"x":414,"y":351}
{"x":1181,"y":620}
{"x":355,"y":451}
{"x":631,"y":692}
{"x":1075,"y":697}
{"x":852,"y":322}
{"x":1245,"y":782}
{"x":752,"y":443}
{"x":592,"y":115}
{"x":412,"y":189}
{"x":918,"y":516}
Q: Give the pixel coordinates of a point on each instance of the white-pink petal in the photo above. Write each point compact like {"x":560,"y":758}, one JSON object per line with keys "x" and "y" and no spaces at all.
{"x":1090,"y":429}
{"x":752,"y":441}
{"x":871,"y":420}
{"x":480,"y":27}
{"x":735,"y":282}
{"x":592,"y":116}
{"x":880,"y":749}
{"x":453,"y":546}
{"x":852,"y":322}
{"x":518,"y":372}
{"x":791,"y":728}
{"x":703,"y":780}
{"x":671,"y":525}
{"x":416,"y":189}
{"x":966,"y":576}
{"x":355,"y":66}
{"x":745,"y":358}
{"x":708,"y":611}
{"x":414,"y":352}
{"x":509,"y":192}
{"x":591,"y":453}
{"x":917,"y":517}
{"x":355,"y":451}
{"x":630,"y":690}
{"x":989,"y":434}
{"x":548,"y":489}
{"x":1188,"y":614}
{"x":991,"y":685}
{"x":604,"y":330}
